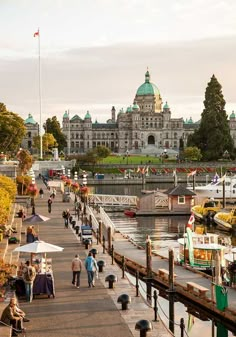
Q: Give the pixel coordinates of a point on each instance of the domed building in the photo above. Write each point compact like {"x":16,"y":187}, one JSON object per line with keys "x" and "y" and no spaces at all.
{"x":32,"y":128}
{"x":144,"y":127}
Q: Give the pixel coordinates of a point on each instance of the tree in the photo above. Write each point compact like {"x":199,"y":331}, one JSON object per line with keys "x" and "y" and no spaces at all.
{"x":25,"y":160}
{"x":52,"y":126}
{"x":48,"y":142}
{"x":12,"y":130}
{"x":192,"y":153}
{"x":213,"y":136}
{"x":102,"y":152}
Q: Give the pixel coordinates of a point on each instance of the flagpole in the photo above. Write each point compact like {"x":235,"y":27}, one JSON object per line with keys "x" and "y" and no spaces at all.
{"x":40,"y":102}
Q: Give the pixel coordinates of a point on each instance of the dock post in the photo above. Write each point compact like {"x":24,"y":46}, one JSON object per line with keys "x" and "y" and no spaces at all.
{"x":123,"y":267}
{"x":100,"y":231}
{"x":109,"y":239}
{"x":104,"y":244}
{"x":182,"y":327}
{"x":155,"y":306}
{"x":97,"y":236}
{"x":137,"y":285}
{"x":112,"y":254}
{"x":171,"y":292}
{"x":149,"y":268}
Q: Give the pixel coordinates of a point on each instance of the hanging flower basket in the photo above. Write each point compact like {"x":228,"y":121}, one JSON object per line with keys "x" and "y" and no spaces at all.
{"x":68,"y":182}
{"x":32,"y":190}
{"x":75,"y":187}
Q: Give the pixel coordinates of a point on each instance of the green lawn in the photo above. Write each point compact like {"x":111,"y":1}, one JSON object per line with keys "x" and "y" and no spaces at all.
{"x":136,"y":160}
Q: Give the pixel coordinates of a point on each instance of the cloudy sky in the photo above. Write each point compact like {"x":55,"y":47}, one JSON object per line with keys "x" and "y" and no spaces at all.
{"x":94,"y":54}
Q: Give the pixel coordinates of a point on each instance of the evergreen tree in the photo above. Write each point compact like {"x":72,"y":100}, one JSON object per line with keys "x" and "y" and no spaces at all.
{"x":213,"y":136}
{"x":52,"y":126}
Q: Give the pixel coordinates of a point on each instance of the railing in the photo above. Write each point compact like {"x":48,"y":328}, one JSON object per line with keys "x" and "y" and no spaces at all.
{"x":106,"y":220}
{"x":95,"y":223}
{"x":113,"y":200}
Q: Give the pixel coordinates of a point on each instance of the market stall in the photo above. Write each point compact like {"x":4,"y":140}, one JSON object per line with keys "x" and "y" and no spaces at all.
{"x":44,"y":280}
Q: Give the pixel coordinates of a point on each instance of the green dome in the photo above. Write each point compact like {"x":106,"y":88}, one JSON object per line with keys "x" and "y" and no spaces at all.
{"x":87,"y":116}
{"x":135,"y":106}
{"x":147,"y":88}
{"x":30,"y":120}
{"x":166,"y":106}
{"x":65,"y":115}
{"x":232,"y":115}
{"x":129,"y":109}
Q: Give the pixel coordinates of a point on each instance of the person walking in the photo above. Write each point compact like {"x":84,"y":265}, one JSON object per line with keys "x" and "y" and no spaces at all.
{"x":66,"y":216}
{"x":49,"y":205}
{"x":29,"y":274}
{"x":76,"y":270}
{"x":41,"y":193}
{"x":91,"y":267}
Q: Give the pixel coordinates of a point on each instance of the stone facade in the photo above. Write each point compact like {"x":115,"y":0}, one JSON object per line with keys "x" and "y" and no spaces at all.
{"x":32,"y":130}
{"x":145,"y":127}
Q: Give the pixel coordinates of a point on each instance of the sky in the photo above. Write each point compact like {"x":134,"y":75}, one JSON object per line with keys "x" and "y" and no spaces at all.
{"x":94,"y":54}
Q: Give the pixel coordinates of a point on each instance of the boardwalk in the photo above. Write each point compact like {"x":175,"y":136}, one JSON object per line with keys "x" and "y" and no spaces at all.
{"x":84,"y":312}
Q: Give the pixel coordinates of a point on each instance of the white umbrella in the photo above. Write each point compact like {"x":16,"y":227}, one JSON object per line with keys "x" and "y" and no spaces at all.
{"x":37,"y":247}
{"x":36,"y":218}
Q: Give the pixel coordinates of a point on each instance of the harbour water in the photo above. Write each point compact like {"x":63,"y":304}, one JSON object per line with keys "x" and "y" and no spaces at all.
{"x":164,"y":232}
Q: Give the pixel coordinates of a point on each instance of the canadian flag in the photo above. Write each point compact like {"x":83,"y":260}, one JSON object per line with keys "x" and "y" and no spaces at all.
{"x":36,"y":33}
{"x":192,"y":173}
{"x":191,"y":221}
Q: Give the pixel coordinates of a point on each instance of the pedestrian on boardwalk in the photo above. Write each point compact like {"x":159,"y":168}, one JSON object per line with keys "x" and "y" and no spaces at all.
{"x":92,"y":268}
{"x":49,"y":205}
{"x":54,"y":192}
{"x":66,"y":216}
{"x":41,"y":193}
{"x":29,"y":274}
{"x":76,"y":270}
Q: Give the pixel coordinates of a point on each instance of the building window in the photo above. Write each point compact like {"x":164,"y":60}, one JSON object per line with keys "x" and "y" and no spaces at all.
{"x":29,"y":134}
{"x":181,"y":199}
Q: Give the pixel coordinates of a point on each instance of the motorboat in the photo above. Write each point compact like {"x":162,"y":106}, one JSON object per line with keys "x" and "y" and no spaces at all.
{"x":208,"y":208}
{"x":225,"y":219}
{"x":198,"y":249}
{"x":130,"y":213}
{"x":215,"y":188}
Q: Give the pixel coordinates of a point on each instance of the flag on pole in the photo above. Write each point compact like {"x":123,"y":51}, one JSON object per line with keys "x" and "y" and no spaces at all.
{"x":222,"y":178}
{"x":191,"y":221}
{"x":192,"y":173}
{"x":36,"y":33}
{"x":215,"y":178}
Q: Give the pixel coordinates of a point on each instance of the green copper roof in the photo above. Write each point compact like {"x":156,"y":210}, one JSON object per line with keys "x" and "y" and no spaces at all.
{"x":87,"y":116}
{"x":135,"y":106}
{"x":129,"y":109}
{"x":30,"y":120}
{"x":65,"y":115}
{"x":232,"y":115}
{"x":147,"y":88}
{"x":75,"y":117}
{"x":166,"y":106}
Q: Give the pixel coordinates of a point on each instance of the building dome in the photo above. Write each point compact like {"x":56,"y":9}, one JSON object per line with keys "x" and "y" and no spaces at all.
{"x":135,"y":106}
{"x":147,"y":88}
{"x":87,"y":116}
{"x":232,"y":116}
{"x":66,"y":115}
{"x":30,"y":120}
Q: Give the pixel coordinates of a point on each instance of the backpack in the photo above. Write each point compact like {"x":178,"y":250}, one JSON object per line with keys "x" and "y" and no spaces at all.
{"x":29,"y":274}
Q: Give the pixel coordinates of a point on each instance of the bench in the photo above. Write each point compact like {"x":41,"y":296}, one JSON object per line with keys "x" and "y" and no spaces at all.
{"x":163,"y":273}
{"x":194,"y":287}
{"x":5,"y":331}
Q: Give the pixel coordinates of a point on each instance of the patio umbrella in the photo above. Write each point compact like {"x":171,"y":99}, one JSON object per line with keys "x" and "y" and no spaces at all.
{"x":37,"y":247}
{"x":35,"y":219}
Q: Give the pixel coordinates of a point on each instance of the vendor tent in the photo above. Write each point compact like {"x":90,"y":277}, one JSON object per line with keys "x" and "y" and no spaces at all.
{"x":37,"y":247}
{"x":35,"y":218}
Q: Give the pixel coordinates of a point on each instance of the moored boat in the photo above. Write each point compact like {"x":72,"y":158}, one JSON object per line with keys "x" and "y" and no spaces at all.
{"x":208,"y":208}
{"x":130,"y":213}
{"x":225,"y":220}
{"x":198,"y":249}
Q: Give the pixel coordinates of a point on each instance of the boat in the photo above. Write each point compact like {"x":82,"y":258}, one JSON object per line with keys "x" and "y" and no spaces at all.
{"x":225,"y":219}
{"x":207,"y":209}
{"x":215,"y":188}
{"x":148,"y":191}
{"x":130,"y":213}
{"x":198,"y":249}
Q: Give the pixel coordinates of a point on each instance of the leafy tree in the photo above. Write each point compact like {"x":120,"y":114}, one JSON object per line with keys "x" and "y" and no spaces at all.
{"x":12,"y":130}
{"x":9,"y":185}
{"x":192,"y":153}
{"x":102,"y":152}
{"x":5,"y":202}
{"x":25,"y":160}
{"x":213,"y":136}
{"x":52,"y":126}
{"x":48,"y":142}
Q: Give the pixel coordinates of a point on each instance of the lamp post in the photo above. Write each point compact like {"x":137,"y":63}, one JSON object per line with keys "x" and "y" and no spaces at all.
{"x":85,"y":190}
{"x":75,"y":179}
